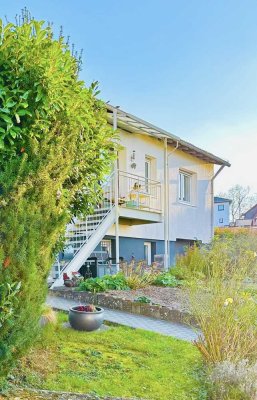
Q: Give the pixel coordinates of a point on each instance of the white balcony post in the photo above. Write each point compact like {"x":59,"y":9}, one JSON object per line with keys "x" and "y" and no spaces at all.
{"x":116,"y":200}
{"x":166,"y":206}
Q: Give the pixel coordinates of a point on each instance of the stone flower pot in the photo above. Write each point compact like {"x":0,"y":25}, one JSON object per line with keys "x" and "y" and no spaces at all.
{"x":86,"y":320}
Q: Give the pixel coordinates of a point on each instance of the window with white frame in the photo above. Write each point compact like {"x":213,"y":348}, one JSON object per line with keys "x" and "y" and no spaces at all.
{"x":185,"y":186}
{"x":221,"y":220}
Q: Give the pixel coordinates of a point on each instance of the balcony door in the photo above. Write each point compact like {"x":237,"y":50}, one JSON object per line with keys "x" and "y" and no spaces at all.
{"x":147,"y":173}
{"x":122,"y":167}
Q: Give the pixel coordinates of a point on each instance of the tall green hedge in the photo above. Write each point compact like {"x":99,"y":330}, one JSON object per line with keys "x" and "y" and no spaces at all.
{"x":55,"y":148}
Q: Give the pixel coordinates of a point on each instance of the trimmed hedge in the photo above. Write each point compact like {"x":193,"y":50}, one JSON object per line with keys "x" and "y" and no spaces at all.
{"x":55,"y":148}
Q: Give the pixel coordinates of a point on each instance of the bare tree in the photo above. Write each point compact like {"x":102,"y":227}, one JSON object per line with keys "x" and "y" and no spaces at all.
{"x":241,"y":200}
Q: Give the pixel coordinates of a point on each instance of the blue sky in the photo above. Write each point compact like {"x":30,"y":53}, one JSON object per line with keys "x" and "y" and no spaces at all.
{"x":187,"y":66}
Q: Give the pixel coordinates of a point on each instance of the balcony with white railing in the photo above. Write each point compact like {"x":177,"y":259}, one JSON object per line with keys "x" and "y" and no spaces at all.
{"x":139,"y":193}
{"x":139,"y":198}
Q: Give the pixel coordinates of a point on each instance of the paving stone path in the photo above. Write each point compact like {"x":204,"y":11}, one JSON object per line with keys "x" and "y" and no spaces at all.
{"x":174,"y":329}
{"x":33,"y":394}
{"x":30,"y":394}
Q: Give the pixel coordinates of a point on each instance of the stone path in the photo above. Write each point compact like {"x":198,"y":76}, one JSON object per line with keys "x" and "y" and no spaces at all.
{"x":34,"y":394}
{"x":174,"y":329}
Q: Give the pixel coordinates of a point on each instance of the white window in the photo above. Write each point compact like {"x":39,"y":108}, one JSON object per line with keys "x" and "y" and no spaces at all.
{"x":185,"y":186}
{"x":221,"y":221}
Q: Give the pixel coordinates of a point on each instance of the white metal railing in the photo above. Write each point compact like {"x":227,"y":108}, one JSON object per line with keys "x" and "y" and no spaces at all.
{"x":138,"y":192}
{"x":79,"y":232}
{"x":134,"y":192}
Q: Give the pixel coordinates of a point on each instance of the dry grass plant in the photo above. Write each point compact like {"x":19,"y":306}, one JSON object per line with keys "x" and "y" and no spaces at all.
{"x":138,"y":275}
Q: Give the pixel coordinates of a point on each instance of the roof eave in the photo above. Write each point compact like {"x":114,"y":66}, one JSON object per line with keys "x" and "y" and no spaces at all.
{"x":134,"y":124}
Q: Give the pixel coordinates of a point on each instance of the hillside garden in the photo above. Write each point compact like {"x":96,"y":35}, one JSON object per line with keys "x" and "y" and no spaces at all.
{"x":55,"y":148}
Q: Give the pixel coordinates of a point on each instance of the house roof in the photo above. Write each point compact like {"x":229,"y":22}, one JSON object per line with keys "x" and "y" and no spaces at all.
{"x":218,"y":199}
{"x":250,"y":214}
{"x":134,"y":124}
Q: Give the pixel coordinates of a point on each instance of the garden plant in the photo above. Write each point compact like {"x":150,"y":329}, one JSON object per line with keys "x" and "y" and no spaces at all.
{"x":55,"y":149}
{"x":134,"y":276}
{"x":218,"y":278}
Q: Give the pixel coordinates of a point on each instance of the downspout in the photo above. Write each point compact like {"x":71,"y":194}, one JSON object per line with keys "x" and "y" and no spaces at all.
{"x":116,"y":200}
{"x":166,"y":200}
{"x":212,"y":198}
{"x":168,"y":216}
{"x":166,"y":203}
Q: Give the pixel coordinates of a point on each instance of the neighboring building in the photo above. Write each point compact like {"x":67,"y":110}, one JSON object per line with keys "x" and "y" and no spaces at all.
{"x":158,"y":200}
{"x":248,"y":219}
{"x":221,"y":211}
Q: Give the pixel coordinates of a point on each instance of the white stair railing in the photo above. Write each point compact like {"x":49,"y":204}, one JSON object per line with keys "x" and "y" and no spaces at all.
{"x":79,"y":232}
{"x":82,"y":236}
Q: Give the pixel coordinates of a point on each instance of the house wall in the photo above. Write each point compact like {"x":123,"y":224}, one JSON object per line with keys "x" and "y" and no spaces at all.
{"x":221,"y":217}
{"x":134,"y":247}
{"x":188,"y":222}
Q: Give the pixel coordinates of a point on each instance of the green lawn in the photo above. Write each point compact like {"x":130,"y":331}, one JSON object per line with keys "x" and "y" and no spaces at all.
{"x":118,"y":362}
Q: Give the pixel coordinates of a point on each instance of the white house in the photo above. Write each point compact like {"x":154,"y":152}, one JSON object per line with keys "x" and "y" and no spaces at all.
{"x":158,"y":199}
{"x":221,"y":211}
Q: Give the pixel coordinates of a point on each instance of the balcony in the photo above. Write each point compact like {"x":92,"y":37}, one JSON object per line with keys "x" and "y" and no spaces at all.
{"x":139,"y":199}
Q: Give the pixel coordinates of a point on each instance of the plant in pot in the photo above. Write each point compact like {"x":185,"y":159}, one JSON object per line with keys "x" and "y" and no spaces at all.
{"x":86,"y":317}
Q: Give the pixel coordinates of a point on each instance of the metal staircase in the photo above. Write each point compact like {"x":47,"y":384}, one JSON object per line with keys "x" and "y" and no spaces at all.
{"x":83,"y":236}
{"x":137,"y":199}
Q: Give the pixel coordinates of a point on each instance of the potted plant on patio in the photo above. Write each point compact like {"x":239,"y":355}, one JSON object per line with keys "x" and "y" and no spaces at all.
{"x":86,"y":317}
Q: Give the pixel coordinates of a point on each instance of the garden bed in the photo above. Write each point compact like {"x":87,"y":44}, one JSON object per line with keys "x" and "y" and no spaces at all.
{"x":168,"y":304}
{"x":118,"y":363}
{"x":172,"y":298}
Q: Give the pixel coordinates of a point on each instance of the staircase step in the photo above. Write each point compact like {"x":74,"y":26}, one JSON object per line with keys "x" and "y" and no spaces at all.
{"x":96,"y":217}
{"x":100,"y":212}
{"x":82,"y":232}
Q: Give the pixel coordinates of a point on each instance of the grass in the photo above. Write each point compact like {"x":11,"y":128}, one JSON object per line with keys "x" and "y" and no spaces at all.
{"x":118,"y":362}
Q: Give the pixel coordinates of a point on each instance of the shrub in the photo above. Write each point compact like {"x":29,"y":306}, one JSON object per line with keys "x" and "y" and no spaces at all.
{"x":8,"y":314}
{"x":107,"y":282}
{"x":167,"y":279}
{"x":135,"y":281}
{"x":92,"y":285}
{"x":48,"y":316}
{"x":225,"y":257}
{"x":235,"y":231}
{"x":55,"y":148}
{"x":143,"y":299}
{"x":234,"y":381}
{"x":116,"y":282}
{"x":137,"y":275}
{"x":8,"y":298}
{"x":227,"y":320}
{"x":224,"y":307}
{"x":225,"y":312}
{"x":179,"y":273}
{"x":191,"y":264}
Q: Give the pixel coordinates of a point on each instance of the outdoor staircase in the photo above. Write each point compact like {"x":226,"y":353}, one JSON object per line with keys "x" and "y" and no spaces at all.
{"x":83,"y":236}
{"x":137,"y":200}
